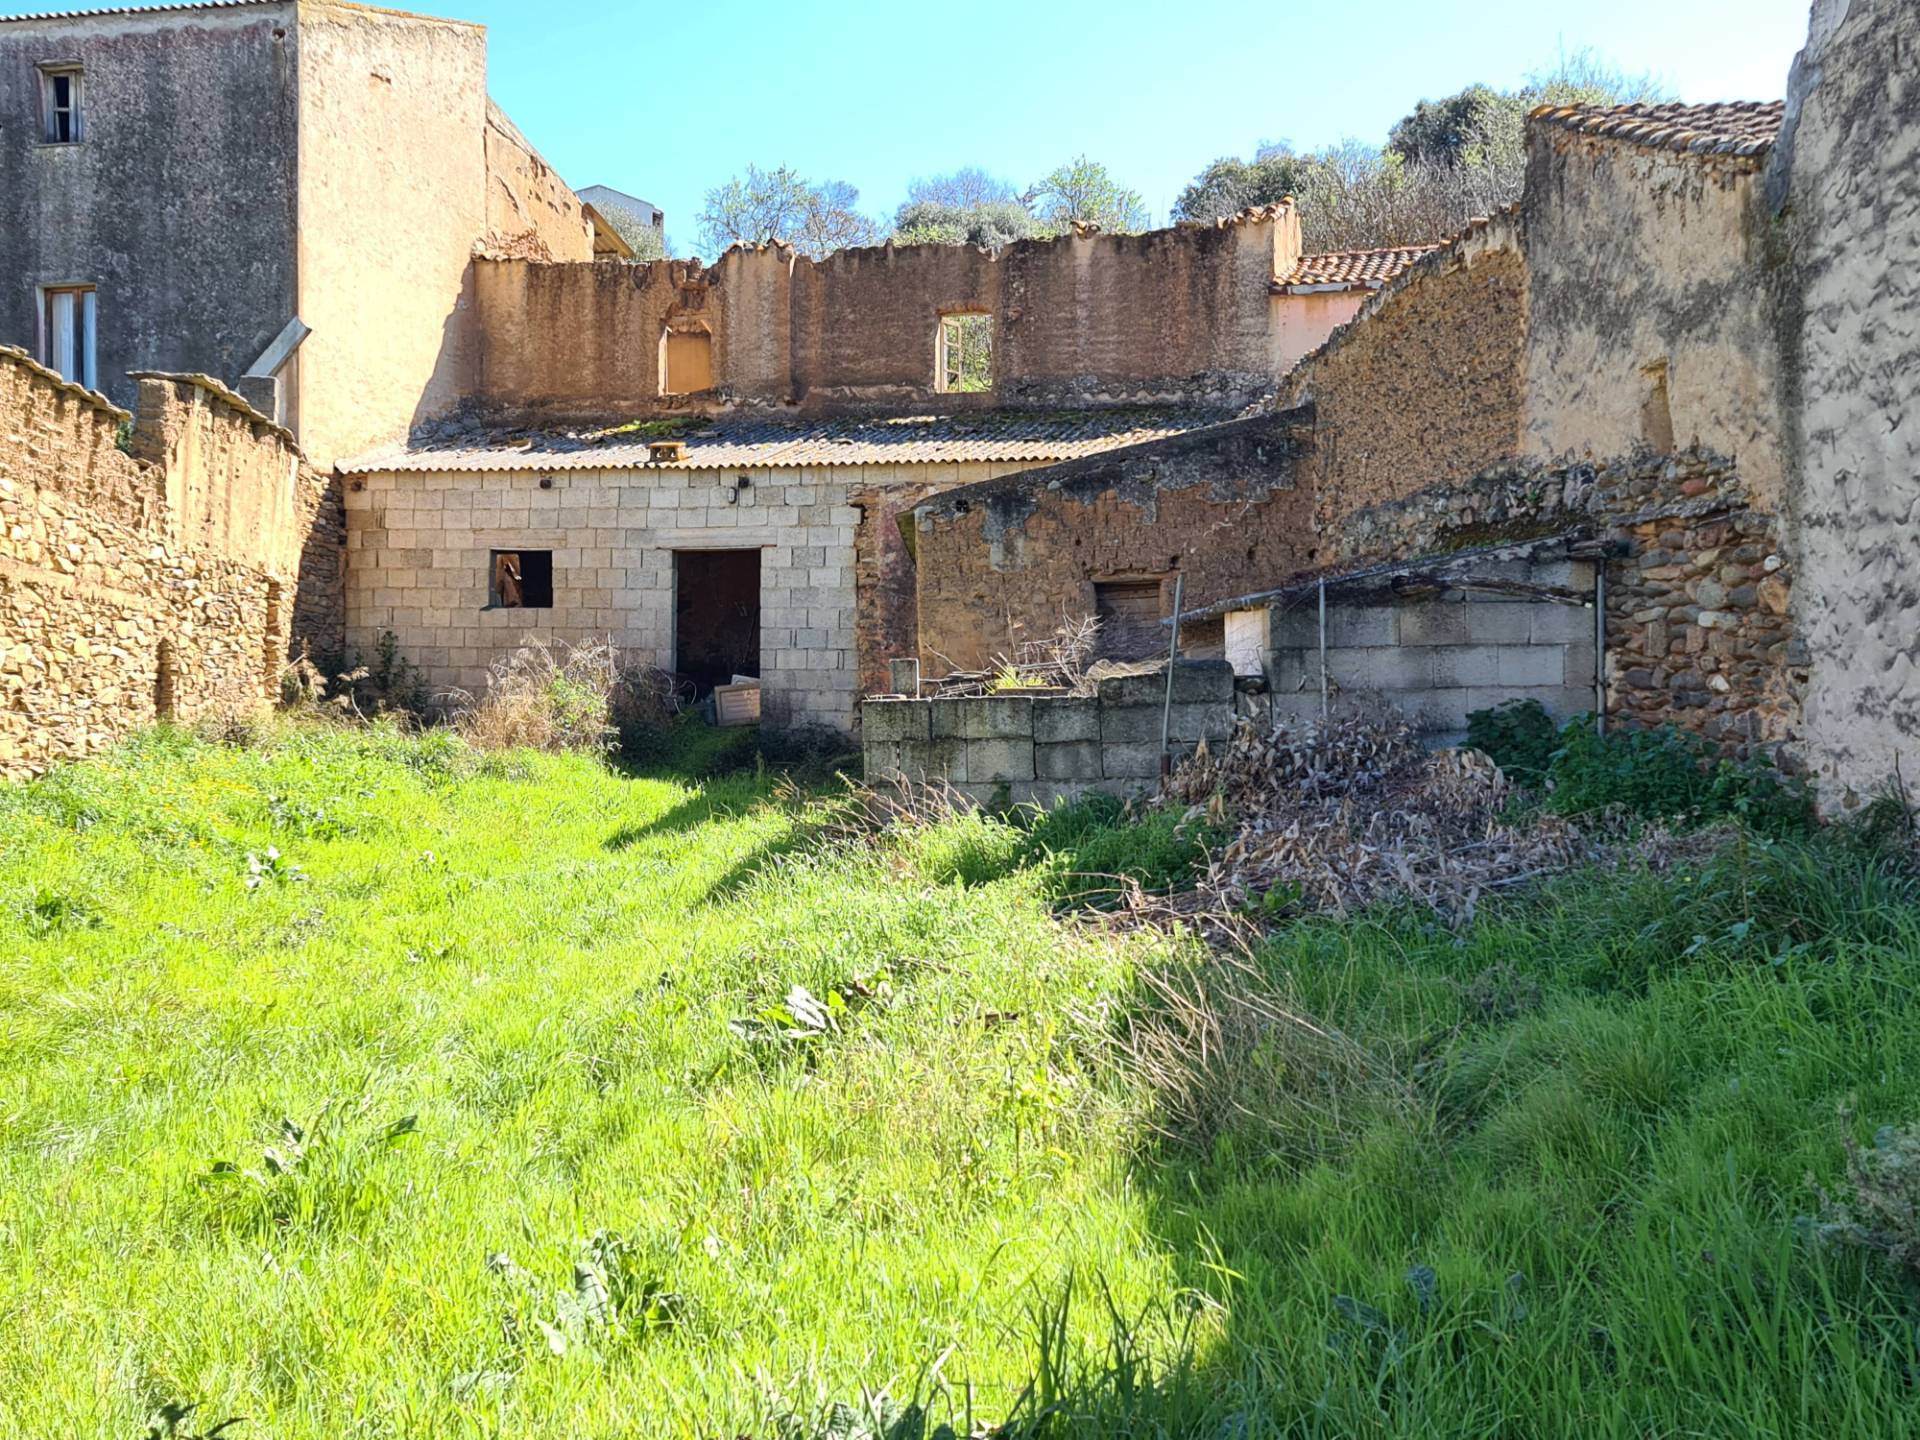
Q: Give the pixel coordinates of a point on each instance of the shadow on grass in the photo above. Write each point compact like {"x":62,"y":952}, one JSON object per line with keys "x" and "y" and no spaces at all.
{"x":1538,"y":1176}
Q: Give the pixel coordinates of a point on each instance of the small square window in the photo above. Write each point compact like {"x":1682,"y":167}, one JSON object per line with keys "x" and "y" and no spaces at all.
{"x":521,"y":580}
{"x":60,"y":119}
{"x":67,"y":333}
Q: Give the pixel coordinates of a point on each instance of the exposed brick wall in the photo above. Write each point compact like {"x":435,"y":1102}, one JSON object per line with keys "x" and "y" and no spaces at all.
{"x":1007,"y":562}
{"x":113,"y":610}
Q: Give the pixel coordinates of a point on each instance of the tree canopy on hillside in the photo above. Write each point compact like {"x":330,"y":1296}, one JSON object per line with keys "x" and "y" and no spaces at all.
{"x":1444,"y":162}
{"x":779,"y":204}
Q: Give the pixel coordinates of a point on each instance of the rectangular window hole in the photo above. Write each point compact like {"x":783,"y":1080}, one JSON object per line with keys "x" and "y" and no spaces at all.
{"x":521,"y":580}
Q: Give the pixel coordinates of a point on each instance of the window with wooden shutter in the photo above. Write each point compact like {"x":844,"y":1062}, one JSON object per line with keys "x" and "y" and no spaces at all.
{"x":1130,"y":612}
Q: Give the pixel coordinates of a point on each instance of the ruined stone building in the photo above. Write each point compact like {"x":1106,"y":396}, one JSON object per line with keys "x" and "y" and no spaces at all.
{"x":1640,"y":443}
{"x":282,"y":193}
{"x":716,"y":465}
{"x":1674,"y":382}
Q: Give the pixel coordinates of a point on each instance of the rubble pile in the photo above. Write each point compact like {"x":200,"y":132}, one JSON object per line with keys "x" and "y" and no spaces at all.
{"x":1335,"y":816}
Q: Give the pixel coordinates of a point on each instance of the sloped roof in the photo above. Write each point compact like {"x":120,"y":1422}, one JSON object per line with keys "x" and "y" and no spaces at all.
{"x":1745,"y":128}
{"x":630,"y":217}
{"x":1350,"y":269}
{"x":981,"y":435}
{"x":134,"y":10}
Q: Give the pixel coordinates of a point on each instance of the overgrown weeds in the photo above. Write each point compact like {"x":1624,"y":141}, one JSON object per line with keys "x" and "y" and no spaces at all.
{"x":556,"y":696}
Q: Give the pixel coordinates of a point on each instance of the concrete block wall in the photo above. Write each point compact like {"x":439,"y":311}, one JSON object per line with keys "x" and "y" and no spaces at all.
{"x":1044,"y":749}
{"x":1439,"y":659}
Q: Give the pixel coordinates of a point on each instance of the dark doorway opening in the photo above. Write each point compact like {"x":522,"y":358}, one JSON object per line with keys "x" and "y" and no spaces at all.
{"x":716,"y":615}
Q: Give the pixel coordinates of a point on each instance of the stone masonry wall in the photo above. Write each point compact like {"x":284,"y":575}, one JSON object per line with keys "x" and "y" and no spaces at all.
{"x":1018,"y":749}
{"x":1008,"y":562}
{"x":110,"y":614}
{"x":1425,"y":385}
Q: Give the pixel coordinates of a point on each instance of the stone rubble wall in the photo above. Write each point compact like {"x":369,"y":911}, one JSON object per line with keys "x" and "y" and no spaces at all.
{"x":1698,"y":596}
{"x":112,"y":614}
{"x":1018,"y":749}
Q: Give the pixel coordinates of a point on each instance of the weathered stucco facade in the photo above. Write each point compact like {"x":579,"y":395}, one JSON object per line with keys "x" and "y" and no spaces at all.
{"x":178,"y":203}
{"x":243,"y":169}
{"x":1847,"y":180}
{"x":1186,"y":315}
{"x":163,"y":581}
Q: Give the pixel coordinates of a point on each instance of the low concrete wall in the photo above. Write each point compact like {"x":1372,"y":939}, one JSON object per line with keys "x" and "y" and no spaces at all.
{"x":1020,"y":748}
{"x":1440,"y":658}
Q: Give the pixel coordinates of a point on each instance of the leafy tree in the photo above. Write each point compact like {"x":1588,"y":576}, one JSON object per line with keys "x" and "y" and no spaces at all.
{"x":991,"y":224}
{"x":1084,"y":192}
{"x":779,"y":204}
{"x":1445,"y":162}
{"x":968,"y":188}
{"x":1230,"y":184}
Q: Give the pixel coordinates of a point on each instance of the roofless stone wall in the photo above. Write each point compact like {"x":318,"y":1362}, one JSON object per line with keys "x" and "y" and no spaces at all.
{"x":1180,"y":315}
{"x":112,"y":611}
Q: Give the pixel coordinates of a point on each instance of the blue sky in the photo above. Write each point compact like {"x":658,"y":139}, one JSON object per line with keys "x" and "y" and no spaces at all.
{"x":667,"y":98}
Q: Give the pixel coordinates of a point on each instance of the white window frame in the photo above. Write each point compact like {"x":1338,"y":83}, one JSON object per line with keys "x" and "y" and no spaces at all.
{"x":76,"y":110}
{"x":70,"y":332}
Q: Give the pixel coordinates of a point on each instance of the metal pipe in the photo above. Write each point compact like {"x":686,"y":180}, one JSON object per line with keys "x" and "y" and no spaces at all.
{"x":1600,"y":646}
{"x":1325,"y":709}
{"x":1173,"y":653}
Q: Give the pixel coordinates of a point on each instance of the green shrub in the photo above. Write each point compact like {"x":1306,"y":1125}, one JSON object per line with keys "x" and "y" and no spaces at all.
{"x":1520,"y":736}
{"x":1658,"y":774}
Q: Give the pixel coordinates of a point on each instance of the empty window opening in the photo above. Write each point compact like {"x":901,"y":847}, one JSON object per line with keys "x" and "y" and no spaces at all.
{"x":686,"y":362}
{"x":1130,"y":612}
{"x":60,"y":105}
{"x":1656,"y":411}
{"x":521,"y":580}
{"x":67,"y":330}
{"x":716,"y":615}
{"x":965,"y":362}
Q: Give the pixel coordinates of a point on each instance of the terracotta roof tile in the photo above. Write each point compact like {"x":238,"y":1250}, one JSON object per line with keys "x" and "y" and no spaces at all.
{"x":1351,"y":269}
{"x":981,"y":435}
{"x":1744,"y":128}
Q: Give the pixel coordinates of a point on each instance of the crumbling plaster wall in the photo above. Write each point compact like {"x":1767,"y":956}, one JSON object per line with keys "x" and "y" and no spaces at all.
{"x":393,"y":196}
{"x":111,"y":611}
{"x":419,"y":546}
{"x":1426,"y":384}
{"x":1847,"y":173}
{"x":527,"y":201}
{"x":1008,"y":562}
{"x":1649,"y":271}
{"x":179,"y":202}
{"x":1179,"y":315}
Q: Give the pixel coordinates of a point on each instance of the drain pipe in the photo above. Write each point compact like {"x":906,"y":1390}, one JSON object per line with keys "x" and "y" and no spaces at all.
{"x":1600,"y":645}
{"x":1323,"y":652}
{"x":1173,"y":653}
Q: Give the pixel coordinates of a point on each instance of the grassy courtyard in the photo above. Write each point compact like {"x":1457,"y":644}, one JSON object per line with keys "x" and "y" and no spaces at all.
{"x":359,"y":1085}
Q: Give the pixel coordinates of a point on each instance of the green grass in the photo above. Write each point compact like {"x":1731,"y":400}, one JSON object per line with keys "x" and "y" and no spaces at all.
{"x":574,"y":1156}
